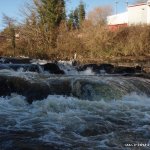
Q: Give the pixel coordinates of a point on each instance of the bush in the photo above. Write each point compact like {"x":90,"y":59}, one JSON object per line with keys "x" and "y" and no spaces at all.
{"x":90,"y":42}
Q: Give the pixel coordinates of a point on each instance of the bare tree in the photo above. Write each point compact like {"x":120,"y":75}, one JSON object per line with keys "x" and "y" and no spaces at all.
{"x":99,"y":14}
{"x":8,"y":21}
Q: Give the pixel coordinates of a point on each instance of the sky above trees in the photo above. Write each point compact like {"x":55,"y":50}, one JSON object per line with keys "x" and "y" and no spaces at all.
{"x":12,"y":7}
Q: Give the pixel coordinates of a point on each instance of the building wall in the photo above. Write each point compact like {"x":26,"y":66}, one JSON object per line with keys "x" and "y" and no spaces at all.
{"x":121,"y":18}
{"x":137,"y":14}
{"x":148,"y":12}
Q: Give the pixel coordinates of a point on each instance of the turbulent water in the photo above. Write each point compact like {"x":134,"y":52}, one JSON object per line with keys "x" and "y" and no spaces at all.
{"x":59,"y":122}
{"x":104,"y":121}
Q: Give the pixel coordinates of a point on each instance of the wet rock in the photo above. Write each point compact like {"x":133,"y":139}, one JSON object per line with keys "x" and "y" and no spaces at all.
{"x":143,"y":75}
{"x":60,"y":87}
{"x":107,"y":67}
{"x":52,"y":68}
{"x":33,"y":90}
{"x":15,"y":60}
{"x":129,"y":70}
{"x":24,"y":67}
{"x":85,"y":89}
{"x":74,"y":63}
{"x":110,"y":69}
{"x":94,"y":67}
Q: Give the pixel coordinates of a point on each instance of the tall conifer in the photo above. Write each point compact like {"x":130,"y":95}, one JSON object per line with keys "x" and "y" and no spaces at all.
{"x":81,"y":12}
{"x":51,"y":13}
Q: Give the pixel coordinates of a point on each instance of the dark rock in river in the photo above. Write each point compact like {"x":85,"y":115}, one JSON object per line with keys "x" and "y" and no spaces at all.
{"x":94,"y":67}
{"x":23,"y":87}
{"x":97,"y":68}
{"x":130,"y":70}
{"x":15,"y":60}
{"x":60,"y":87}
{"x":52,"y":68}
{"x":107,"y":67}
{"x":25,"y":67}
{"x":33,"y":90}
{"x":110,"y":69}
{"x":86,"y":89}
{"x":143,"y":75}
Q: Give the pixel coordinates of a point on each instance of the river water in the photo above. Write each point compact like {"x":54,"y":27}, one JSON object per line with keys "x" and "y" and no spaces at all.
{"x":98,"y":118}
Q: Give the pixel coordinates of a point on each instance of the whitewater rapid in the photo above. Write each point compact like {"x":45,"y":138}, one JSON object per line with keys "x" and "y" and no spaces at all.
{"x":81,"y":110}
{"x":68,"y":122}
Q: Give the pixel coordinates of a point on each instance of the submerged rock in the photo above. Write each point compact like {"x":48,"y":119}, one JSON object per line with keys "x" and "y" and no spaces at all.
{"x":52,"y":68}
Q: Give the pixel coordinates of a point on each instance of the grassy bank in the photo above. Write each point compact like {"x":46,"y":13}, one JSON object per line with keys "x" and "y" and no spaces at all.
{"x":90,"y":43}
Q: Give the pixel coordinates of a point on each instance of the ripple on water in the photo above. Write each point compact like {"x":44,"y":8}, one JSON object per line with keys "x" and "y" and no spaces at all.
{"x":67,"y":122}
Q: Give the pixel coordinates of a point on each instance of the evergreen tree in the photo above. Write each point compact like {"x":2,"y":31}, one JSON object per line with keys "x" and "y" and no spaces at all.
{"x":51,"y":13}
{"x":76,"y":18}
{"x":79,"y":15}
{"x":81,"y":12}
{"x":71,"y":21}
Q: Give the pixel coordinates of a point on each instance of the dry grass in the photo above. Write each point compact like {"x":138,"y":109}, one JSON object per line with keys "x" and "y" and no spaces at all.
{"x":91,"y":42}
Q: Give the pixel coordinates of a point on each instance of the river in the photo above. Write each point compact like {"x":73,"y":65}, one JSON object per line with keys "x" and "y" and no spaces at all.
{"x":99,"y":112}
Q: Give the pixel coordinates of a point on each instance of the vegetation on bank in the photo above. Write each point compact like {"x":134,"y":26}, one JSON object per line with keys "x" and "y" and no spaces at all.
{"x":48,"y":33}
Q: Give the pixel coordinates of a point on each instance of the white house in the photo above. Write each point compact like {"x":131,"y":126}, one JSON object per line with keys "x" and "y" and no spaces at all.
{"x":135,"y":14}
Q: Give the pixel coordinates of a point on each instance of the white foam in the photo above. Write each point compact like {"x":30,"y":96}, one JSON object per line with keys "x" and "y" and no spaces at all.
{"x":22,"y":56}
{"x":39,"y":61}
{"x":69,"y":69}
{"x":2,"y":60}
{"x":88,"y":71}
{"x":60,"y":117}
